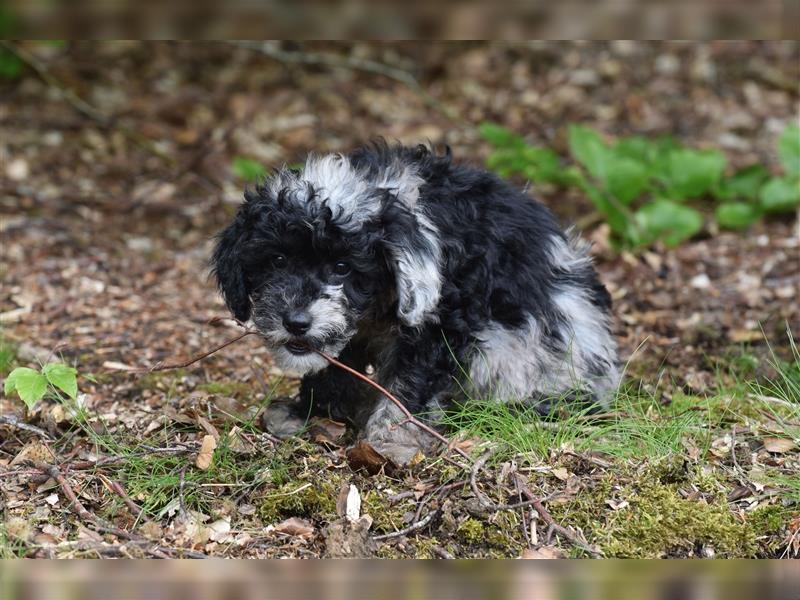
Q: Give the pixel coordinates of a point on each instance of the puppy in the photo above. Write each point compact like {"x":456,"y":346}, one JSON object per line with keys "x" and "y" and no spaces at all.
{"x":447,"y":280}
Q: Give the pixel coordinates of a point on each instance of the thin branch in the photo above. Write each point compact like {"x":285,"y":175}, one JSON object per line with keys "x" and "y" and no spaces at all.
{"x":411,"y":418}
{"x":120,"y":491}
{"x":482,"y":498}
{"x":410,"y":529}
{"x":14,"y":421}
{"x":551,"y":522}
{"x":160,"y":366}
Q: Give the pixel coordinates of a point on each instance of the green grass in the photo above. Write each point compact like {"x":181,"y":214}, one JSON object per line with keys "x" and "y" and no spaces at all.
{"x":8,"y":355}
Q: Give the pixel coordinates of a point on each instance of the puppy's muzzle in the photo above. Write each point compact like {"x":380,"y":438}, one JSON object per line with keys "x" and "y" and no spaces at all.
{"x":297,"y":322}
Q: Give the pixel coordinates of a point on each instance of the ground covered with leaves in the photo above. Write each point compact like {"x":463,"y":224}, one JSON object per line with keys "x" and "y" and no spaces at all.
{"x":119,"y":163}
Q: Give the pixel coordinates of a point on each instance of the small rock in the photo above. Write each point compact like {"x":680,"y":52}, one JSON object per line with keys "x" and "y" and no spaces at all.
{"x":701,"y":281}
{"x":344,"y":539}
{"x":17,"y":169}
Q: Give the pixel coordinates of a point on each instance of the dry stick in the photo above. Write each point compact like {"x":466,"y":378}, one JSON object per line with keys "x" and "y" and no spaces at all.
{"x":76,"y":505}
{"x":14,"y":421}
{"x":120,"y":491}
{"x":410,"y":529}
{"x":533,"y":501}
{"x":400,"y":405}
{"x":551,"y":522}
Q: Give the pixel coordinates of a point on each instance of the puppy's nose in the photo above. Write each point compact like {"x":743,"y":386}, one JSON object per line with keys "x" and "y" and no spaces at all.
{"x":297,"y":322}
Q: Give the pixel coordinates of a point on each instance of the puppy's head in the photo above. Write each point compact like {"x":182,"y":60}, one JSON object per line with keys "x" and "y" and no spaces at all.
{"x":314,"y":252}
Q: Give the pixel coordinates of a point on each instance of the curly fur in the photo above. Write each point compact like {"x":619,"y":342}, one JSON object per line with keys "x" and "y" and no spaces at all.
{"x":458,"y":282}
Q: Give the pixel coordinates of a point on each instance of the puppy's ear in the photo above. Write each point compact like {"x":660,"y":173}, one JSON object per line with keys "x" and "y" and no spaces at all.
{"x":412,"y":247}
{"x":228,"y":267}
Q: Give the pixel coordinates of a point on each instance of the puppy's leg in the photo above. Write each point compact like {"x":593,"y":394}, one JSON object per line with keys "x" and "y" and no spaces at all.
{"x":336,"y":394}
{"x":330,"y":393}
{"x":422,"y":375}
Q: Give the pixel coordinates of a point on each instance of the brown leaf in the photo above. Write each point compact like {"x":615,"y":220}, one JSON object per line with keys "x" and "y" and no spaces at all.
{"x":364,"y":456}
{"x":206,"y":454}
{"x":778,"y":445}
{"x":295,"y":526}
{"x":35,"y":452}
{"x":326,"y":431}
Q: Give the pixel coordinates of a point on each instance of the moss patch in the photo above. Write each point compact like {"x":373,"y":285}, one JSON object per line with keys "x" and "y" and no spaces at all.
{"x":657,"y":521}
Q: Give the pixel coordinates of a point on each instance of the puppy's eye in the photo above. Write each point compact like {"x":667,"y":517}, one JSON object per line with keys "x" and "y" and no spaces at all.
{"x":341,"y":268}
{"x":279,"y":261}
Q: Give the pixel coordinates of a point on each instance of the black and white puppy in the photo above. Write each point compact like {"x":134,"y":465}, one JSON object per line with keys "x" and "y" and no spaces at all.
{"x":447,"y":280}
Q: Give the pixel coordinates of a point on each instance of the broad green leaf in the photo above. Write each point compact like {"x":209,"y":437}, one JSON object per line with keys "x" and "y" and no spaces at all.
{"x":737,"y":215}
{"x":669,"y":221}
{"x":248,"y":169}
{"x":499,"y":136}
{"x":28,"y":383}
{"x":745,"y":183}
{"x":636,"y":147}
{"x":780,"y":194}
{"x":615,"y":217}
{"x":693,"y":173}
{"x":625,"y":178}
{"x":587,"y":148}
{"x":789,"y":149}
{"x":62,"y":377}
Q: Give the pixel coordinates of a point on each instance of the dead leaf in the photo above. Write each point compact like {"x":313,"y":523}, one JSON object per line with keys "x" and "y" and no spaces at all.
{"x":542,"y":553}
{"x":207,"y":426}
{"x":206,"y":454}
{"x":363,"y":456}
{"x":326,"y":431}
{"x":220,"y":531}
{"x":560,"y":473}
{"x":778,"y":445}
{"x":35,"y":452}
{"x":295,"y":526}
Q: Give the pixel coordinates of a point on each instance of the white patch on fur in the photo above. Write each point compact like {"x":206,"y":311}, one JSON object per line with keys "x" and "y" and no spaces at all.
{"x":419,"y":281}
{"x":571,"y":254}
{"x":514,"y":364}
{"x":328,"y":313}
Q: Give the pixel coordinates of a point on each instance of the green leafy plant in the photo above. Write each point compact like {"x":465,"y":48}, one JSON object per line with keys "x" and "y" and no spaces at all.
{"x":248,"y":169}
{"x":652,"y":189}
{"x":32,"y":385}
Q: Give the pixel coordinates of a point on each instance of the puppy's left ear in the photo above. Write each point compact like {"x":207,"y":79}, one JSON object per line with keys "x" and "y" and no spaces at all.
{"x":229,"y":269}
{"x":414,"y":253}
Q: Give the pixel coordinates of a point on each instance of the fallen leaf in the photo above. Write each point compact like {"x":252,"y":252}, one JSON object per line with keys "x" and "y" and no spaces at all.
{"x":326,"y":431}
{"x":219,"y":531}
{"x":35,"y":452}
{"x":295,"y":526}
{"x":778,"y":445}
{"x":561,"y":473}
{"x":364,"y":456}
{"x":206,"y":454}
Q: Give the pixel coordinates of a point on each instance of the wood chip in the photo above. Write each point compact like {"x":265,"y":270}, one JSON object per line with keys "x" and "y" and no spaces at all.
{"x":206,"y":454}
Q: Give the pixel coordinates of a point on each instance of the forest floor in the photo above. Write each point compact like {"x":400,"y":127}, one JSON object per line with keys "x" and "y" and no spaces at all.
{"x":109,"y":199}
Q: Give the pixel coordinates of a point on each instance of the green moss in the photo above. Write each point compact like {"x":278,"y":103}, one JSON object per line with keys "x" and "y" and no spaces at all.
{"x":471,"y":531}
{"x":316,"y":499}
{"x":658,"y":521}
{"x":385,"y":516}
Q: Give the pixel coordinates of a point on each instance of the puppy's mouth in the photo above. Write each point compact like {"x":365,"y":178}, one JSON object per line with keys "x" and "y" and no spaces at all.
{"x":298,"y":347}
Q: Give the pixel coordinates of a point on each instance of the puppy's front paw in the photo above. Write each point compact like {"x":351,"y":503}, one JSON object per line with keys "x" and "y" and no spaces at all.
{"x":280,"y":419}
{"x":390,"y":434}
